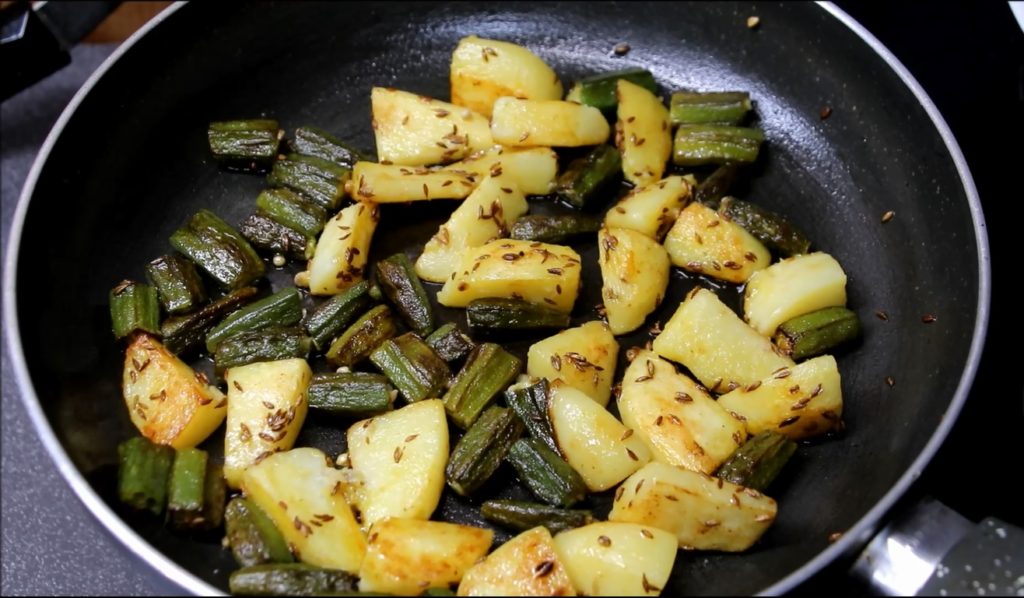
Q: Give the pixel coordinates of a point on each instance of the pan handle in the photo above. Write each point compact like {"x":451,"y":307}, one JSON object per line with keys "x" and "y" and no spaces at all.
{"x":930,"y":549}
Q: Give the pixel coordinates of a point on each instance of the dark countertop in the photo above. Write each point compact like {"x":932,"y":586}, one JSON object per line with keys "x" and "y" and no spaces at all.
{"x":969,"y":58}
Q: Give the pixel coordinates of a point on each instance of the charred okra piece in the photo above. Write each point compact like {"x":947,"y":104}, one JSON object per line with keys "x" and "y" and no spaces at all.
{"x":553,"y":229}
{"x":450,"y":343}
{"x":290,"y":579}
{"x":768,"y":227}
{"x":316,"y":142}
{"x":521,"y":516}
{"x":177,"y":283}
{"x":529,"y":400}
{"x":758,"y":461}
{"x":318,"y":180}
{"x":330,"y":317}
{"x":488,"y":370}
{"x":588,"y":178}
{"x":142,"y":474}
{"x":363,"y":337}
{"x":480,"y":451}
{"x":290,"y":209}
{"x":274,"y":238}
{"x":545,"y":473}
{"x":219,"y":249}
{"x":253,"y":538}
{"x":404,"y":291}
{"x":599,"y":90}
{"x":716,"y":107}
{"x":412,"y":366}
{"x":245,"y":144}
{"x":186,"y":332}
{"x":817,"y":333}
{"x":351,"y":394}
{"x":265,"y":344}
{"x":696,"y":145}
{"x":513,"y":314}
{"x":283,"y":308}
{"x":134,"y":306}
{"x":712,"y":189}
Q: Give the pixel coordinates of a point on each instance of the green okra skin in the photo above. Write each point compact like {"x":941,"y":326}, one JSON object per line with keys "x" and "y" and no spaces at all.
{"x":553,"y":229}
{"x":412,"y":367}
{"x":513,"y":314}
{"x":249,"y":145}
{"x":546,"y":474}
{"x":361,"y":338}
{"x":290,"y":579}
{"x":350,"y":394}
{"x":591,"y":177}
{"x":290,"y":209}
{"x":186,"y":488}
{"x":488,"y":370}
{"x":712,"y":189}
{"x":530,"y":400}
{"x":177,"y":283}
{"x":319,"y":180}
{"x":316,"y":142}
{"x":283,"y":308}
{"x":771,"y":228}
{"x":758,"y":461}
{"x":215,"y":491}
{"x":450,"y":343}
{"x":134,"y":306}
{"x":716,"y":107}
{"x":272,"y":237}
{"x":403,"y":290}
{"x":253,"y":538}
{"x":266,"y":344}
{"x":330,"y":317}
{"x":818,"y":332}
{"x":599,"y":90}
{"x":521,"y":516}
{"x":187,"y":332}
{"x":696,"y":145}
{"x":142,"y":475}
{"x":219,"y":249}
{"x":479,"y":452}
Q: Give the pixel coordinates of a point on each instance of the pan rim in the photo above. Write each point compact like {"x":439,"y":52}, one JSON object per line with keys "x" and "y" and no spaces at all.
{"x":857,"y":535}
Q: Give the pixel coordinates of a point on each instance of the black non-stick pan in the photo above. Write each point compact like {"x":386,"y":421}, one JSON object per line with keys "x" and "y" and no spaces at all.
{"x":127,"y":164}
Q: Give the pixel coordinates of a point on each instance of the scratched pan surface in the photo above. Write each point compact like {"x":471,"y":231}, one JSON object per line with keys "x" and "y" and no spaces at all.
{"x":131,"y":164}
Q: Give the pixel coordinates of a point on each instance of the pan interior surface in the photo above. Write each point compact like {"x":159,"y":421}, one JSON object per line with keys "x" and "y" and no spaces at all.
{"x":132,"y":164}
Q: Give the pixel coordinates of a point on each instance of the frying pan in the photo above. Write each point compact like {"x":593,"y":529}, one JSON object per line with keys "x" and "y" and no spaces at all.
{"x":127,"y":164}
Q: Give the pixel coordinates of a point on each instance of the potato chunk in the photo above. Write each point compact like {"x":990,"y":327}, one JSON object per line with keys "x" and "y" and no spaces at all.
{"x":703,"y":512}
{"x":298,"y":490}
{"x":167,"y":401}
{"x":583,"y":358}
{"x":547,"y":123}
{"x":701,"y":241}
{"x":407,"y":556}
{"x":593,"y":442}
{"x":651,"y":209}
{"x":617,"y":559}
{"x":414,"y":130}
{"x":483,"y":70}
{"x":643,"y":134}
{"x":526,"y":565}
{"x":342,"y":249}
{"x":540,"y":273}
{"x":675,"y":417}
{"x":802,"y":401}
{"x":488,"y":213}
{"x":266,"y":407}
{"x":634,"y":272}
{"x":390,"y":183}
{"x":534,"y":169}
{"x":398,"y":459}
{"x":793,"y":287}
{"x":716,"y":345}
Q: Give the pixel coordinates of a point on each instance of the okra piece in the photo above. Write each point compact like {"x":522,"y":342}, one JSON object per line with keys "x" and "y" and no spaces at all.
{"x":696,"y":145}
{"x":219,"y":249}
{"x":290,"y":579}
{"x":376,"y":294}
{"x":513,"y":314}
{"x":143,"y":470}
{"x":547,"y":475}
{"x":283,"y":308}
{"x":351,"y":394}
{"x":487,"y":371}
{"x":450,"y":343}
{"x":554,"y":229}
{"x":290,"y":209}
{"x":186,"y":489}
{"x":481,"y":449}
{"x":177,"y":283}
{"x":330,"y":317}
{"x":712,"y":189}
{"x":272,"y":237}
{"x":253,"y":538}
{"x":599,"y":90}
{"x":412,"y":366}
{"x":363,"y":337}
{"x":758,"y":461}
{"x":716,"y":107}
{"x":529,"y":400}
{"x":319,"y":180}
{"x":214,"y":492}
{"x":316,"y":142}
{"x":401,"y":286}
{"x":521,"y":516}
{"x":245,"y":144}
{"x":590,"y":177}
{"x":134,"y":306}
{"x":817,"y":333}
{"x":187,"y":332}
{"x":266,"y":344}
{"x":770,"y":228}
